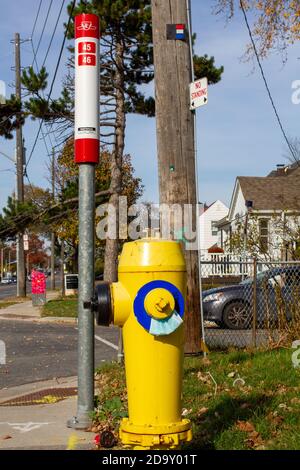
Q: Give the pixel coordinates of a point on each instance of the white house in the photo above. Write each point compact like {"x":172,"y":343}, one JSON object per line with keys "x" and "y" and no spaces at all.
{"x":261,"y":202}
{"x":208,"y":224}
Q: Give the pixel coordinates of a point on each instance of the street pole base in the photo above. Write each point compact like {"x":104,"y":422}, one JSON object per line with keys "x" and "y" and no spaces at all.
{"x":155,"y":437}
{"x":82,"y":423}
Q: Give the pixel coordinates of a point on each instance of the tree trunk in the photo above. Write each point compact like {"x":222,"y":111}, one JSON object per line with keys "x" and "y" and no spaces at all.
{"x":75,"y":256}
{"x":62,"y":268}
{"x":175,"y":140}
{"x":112,"y":245}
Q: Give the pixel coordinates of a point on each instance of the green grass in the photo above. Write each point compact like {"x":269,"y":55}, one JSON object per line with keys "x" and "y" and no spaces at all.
{"x":261,"y":413}
{"x":66,"y":307}
{"x":6,"y":304}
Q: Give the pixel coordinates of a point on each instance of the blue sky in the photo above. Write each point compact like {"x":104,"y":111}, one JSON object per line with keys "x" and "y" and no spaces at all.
{"x":237,"y":131}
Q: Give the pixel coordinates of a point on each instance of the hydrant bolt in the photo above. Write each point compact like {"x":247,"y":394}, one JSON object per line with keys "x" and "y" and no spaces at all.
{"x":162,"y":304}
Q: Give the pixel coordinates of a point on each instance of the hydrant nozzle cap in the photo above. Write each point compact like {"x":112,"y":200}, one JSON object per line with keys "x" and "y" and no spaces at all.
{"x":159,"y":303}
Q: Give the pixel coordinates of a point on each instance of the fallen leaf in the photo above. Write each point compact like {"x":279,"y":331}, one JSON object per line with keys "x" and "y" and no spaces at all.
{"x":202,"y":411}
{"x":203,"y":377}
{"x":274,"y":418}
{"x":260,"y":447}
{"x":281,"y":390}
{"x":253,"y":435}
{"x":245,"y":426}
{"x":254,"y":438}
{"x":245,"y":405}
{"x":231,"y":375}
{"x":206,"y":361}
{"x":249,"y":443}
{"x":207,"y":396}
{"x":6,"y":437}
{"x":186,"y":412}
{"x":295,"y":400}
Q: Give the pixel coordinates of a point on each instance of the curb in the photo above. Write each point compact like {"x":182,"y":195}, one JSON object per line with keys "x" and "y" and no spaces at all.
{"x":20,"y":390}
{"x":58,"y":319}
{"x":12,"y":317}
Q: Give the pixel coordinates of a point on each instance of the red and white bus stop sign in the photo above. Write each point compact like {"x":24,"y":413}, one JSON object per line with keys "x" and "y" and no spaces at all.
{"x":87,"y":88}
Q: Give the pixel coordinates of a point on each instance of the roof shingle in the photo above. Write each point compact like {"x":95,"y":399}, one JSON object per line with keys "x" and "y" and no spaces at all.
{"x":272,"y":193}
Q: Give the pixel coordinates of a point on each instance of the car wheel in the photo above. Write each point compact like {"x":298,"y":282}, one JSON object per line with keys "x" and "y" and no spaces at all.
{"x":237,"y":316}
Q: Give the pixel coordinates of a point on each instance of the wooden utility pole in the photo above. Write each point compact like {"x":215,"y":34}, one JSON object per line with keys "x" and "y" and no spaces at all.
{"x":53,"y":233}
{"x":21,"y":280}
{"x":175,"y":140}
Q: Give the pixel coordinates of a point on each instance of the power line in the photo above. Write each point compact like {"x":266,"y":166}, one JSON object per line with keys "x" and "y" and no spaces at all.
{"x":53,"y":80}
{"x":45,"y":58}
{"x":266,"y":84}
{"x":54,"y":31}
{"x":44,"y":61}
{"x":45,"y":143}
{"x":43,"y":30}
{"x":36,"y":18}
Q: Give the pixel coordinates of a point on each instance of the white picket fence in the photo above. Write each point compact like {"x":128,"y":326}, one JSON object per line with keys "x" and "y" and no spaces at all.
{"x":225,"y":265}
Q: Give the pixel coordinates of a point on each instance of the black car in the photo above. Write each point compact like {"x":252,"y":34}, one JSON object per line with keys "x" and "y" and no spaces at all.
{"x":277,"y":291}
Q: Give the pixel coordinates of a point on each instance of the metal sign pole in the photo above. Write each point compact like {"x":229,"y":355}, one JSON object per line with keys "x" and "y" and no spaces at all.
{"x":87,"y":156}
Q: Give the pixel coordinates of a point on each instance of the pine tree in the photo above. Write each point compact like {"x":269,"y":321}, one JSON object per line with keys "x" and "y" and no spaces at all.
{"x":10,"y":117}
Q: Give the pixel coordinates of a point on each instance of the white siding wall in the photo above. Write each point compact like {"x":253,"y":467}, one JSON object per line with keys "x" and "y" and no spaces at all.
{"x":239,"y":207}
{"x":275,"y":240}
{"x":215,"y":212}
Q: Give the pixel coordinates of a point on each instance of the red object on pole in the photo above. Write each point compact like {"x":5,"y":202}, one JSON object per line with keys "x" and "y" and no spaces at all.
{"x":38,"y":282}
{"x":87,"y":34}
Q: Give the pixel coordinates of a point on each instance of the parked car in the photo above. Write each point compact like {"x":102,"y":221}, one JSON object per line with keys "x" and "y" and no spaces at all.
{"x":6,"y":280}
{"x":231,"y":307}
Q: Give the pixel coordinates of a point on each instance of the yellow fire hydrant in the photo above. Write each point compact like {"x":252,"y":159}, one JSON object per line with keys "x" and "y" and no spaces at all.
{"x":148,"y":303}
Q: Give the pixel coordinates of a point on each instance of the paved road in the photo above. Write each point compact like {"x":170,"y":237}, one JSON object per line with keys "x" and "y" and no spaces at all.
{"x":10,"y":290}
{"x":41,"y":351}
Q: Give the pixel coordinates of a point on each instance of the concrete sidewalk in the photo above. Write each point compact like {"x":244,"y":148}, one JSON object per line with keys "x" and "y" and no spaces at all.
{"x":41,"y":426}
{"x":26,"y":311}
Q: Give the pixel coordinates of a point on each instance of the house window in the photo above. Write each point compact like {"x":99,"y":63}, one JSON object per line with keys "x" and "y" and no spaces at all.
{"x":214,"y":228}
{"x":263,"y":235}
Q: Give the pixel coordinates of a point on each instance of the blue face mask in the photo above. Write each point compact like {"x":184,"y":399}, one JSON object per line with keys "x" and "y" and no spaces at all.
{"x":166,"y":326}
